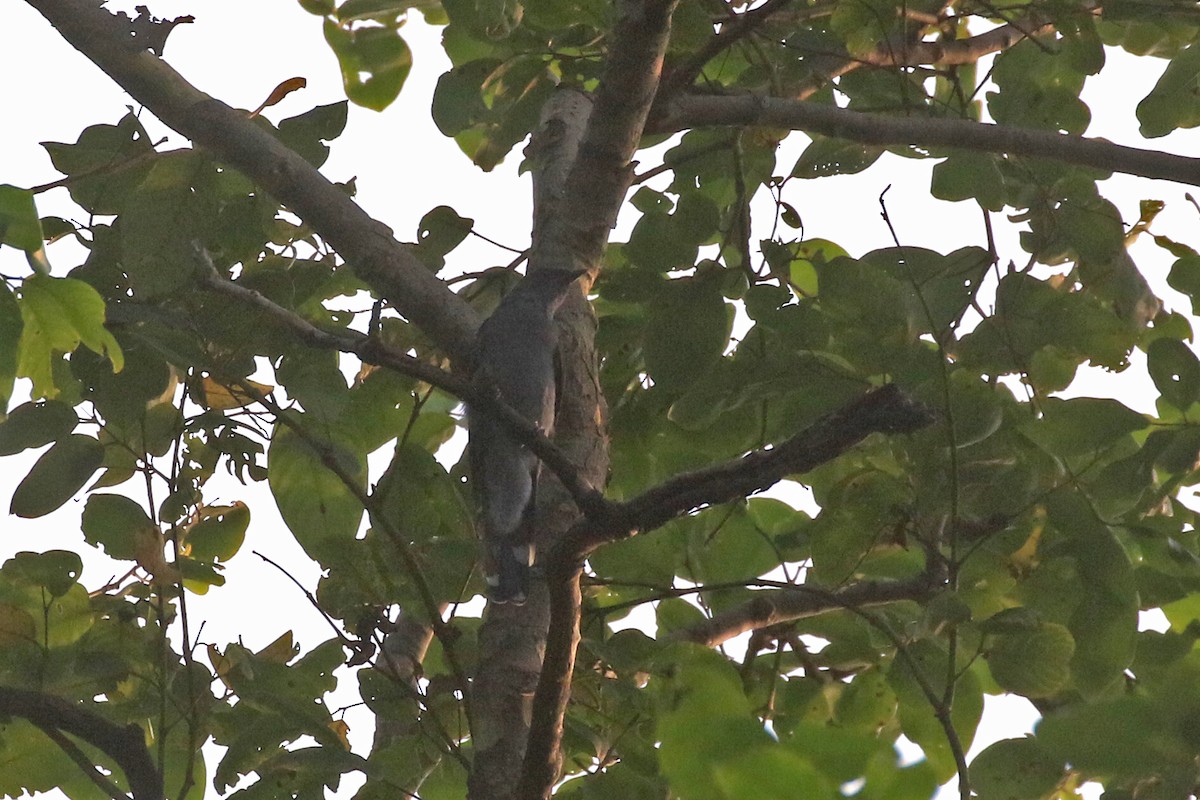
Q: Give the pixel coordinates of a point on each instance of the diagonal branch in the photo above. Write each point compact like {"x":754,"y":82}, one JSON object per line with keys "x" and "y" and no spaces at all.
{"x":957,"y":52}
{"x":125,"y":744}
{"x":773,"y":606}
{"x":372,"y":351}
{"x":883,"y":410}
{"x":700,"y":111}
{"x":367,"y":245}
{"x":733,"y":30}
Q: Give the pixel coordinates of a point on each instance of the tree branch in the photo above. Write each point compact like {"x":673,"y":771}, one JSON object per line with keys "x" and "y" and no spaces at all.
{"x":372,"y":351}
{"x":699,"y":111}
{"x":773,"y":606}
{"x":578,"y":227}
{"x":883,"y":410}
{"x":367,"y":245}
{"x":733,"y":30}
{"x":899,"y":52}
{"x":124,"y":744}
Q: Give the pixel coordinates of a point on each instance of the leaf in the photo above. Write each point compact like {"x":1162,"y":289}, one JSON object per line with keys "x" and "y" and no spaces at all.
{"x":321,"y":511}
{"x":57,"y":475}
{"x":1033,"y":663}
{"x":19,"y":223}
{"x":440,"y":231}
{"x":1015,"y":769}
{"x":159,"y":224}
{"x":868,"y":703}
{"x":826,"y":156}
{"x":119,"y":525}
{"x":56,"y":570}
{"x":374,"y":60}
{"x":1082,"y":425}
{"x":1173,"y":102}
{"x":279,"y":92}
{"x":35,"y":424}
{"x":10,"y":344}
{"x":688,"y":329}
{"x":218,"y":532}
{"x":1175,"y":371}
{"x":106,"y":164}
{"x":308,"y":132}
{"x":221,"y":397}
{"x":59,"y":314}
{"x":970,"y":176}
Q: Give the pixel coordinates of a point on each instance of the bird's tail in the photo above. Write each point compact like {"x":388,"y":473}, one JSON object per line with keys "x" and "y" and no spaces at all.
{"x":507,"y":574}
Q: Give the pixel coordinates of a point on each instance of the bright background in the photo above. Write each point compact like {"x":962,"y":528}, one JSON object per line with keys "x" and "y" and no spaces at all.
{"x":238,"y":51}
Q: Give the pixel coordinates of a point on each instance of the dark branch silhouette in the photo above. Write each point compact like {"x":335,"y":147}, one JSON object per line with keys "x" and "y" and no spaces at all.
{"x":231,"y":136}
{"x":125,"y":744}
{"x":701,"y":111}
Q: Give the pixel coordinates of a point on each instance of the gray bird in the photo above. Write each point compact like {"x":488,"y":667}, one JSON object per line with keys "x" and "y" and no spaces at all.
{"x":514,"y":351}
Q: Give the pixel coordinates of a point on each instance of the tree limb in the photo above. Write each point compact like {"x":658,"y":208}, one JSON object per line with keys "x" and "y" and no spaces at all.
{"x":733,"y":30}
{"x":372,"y":351}
{"x":125,"y":744}
{"x":230,"y":135}
{"x":578,"y":228}
{"x":883,"y":410}
{"x":699,"y":111}
{"x":773,"y":606}
{"x":899,"y":52}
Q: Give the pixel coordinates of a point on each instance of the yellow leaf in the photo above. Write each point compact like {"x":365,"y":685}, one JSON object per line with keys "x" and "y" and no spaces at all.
{"x":281,"y":651}
{"x":219,"y":397}
{"x":342,"y":730}
{"x":1025,"y":557}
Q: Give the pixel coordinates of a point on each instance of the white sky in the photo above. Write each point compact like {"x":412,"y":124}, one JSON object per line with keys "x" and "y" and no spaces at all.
{"x":238,"y":51}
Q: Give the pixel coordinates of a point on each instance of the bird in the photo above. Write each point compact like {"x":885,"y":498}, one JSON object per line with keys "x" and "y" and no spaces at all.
{"x":515,"y":355}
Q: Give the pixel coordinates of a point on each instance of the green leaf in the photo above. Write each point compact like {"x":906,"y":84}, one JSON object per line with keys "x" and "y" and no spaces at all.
{"x":868,"y":703}
{"x":19,"y":223}
{"x":158,"y":225}
{"x":1033,"y":663}
{"x":1185,"y":277}
{"x":308,"y":132}
{"x":970,"y":176}
{"x":106,"y":164}
{"x":219,"y":533}
{"x":35,"y":424}
{"x":56,"y":570}
{"x":1015,"y":769}
{"x":440,"y":231}
{"x":771,"y":773}
{"x":59,"y":314}
{"x":1175,"y":371}
{"x":321,"y":511}
{"x":57,"y":475}
{"x":10,"y":343}
{"x":374,"y":61}
{"x":1082,"y":425}
{"x":688,"y":330}
{"x":318,"y":7}
{"x":1174,"y":101}
{"x":826,"y":156}
{"x":117,"y":524}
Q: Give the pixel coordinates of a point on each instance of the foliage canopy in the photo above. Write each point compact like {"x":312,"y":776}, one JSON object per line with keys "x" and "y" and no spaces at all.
{"x":1007,"y":546}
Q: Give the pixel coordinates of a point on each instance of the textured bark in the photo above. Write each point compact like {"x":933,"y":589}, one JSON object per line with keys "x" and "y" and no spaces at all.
{"x":512,"y":638}
{"x":686,"y":112}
